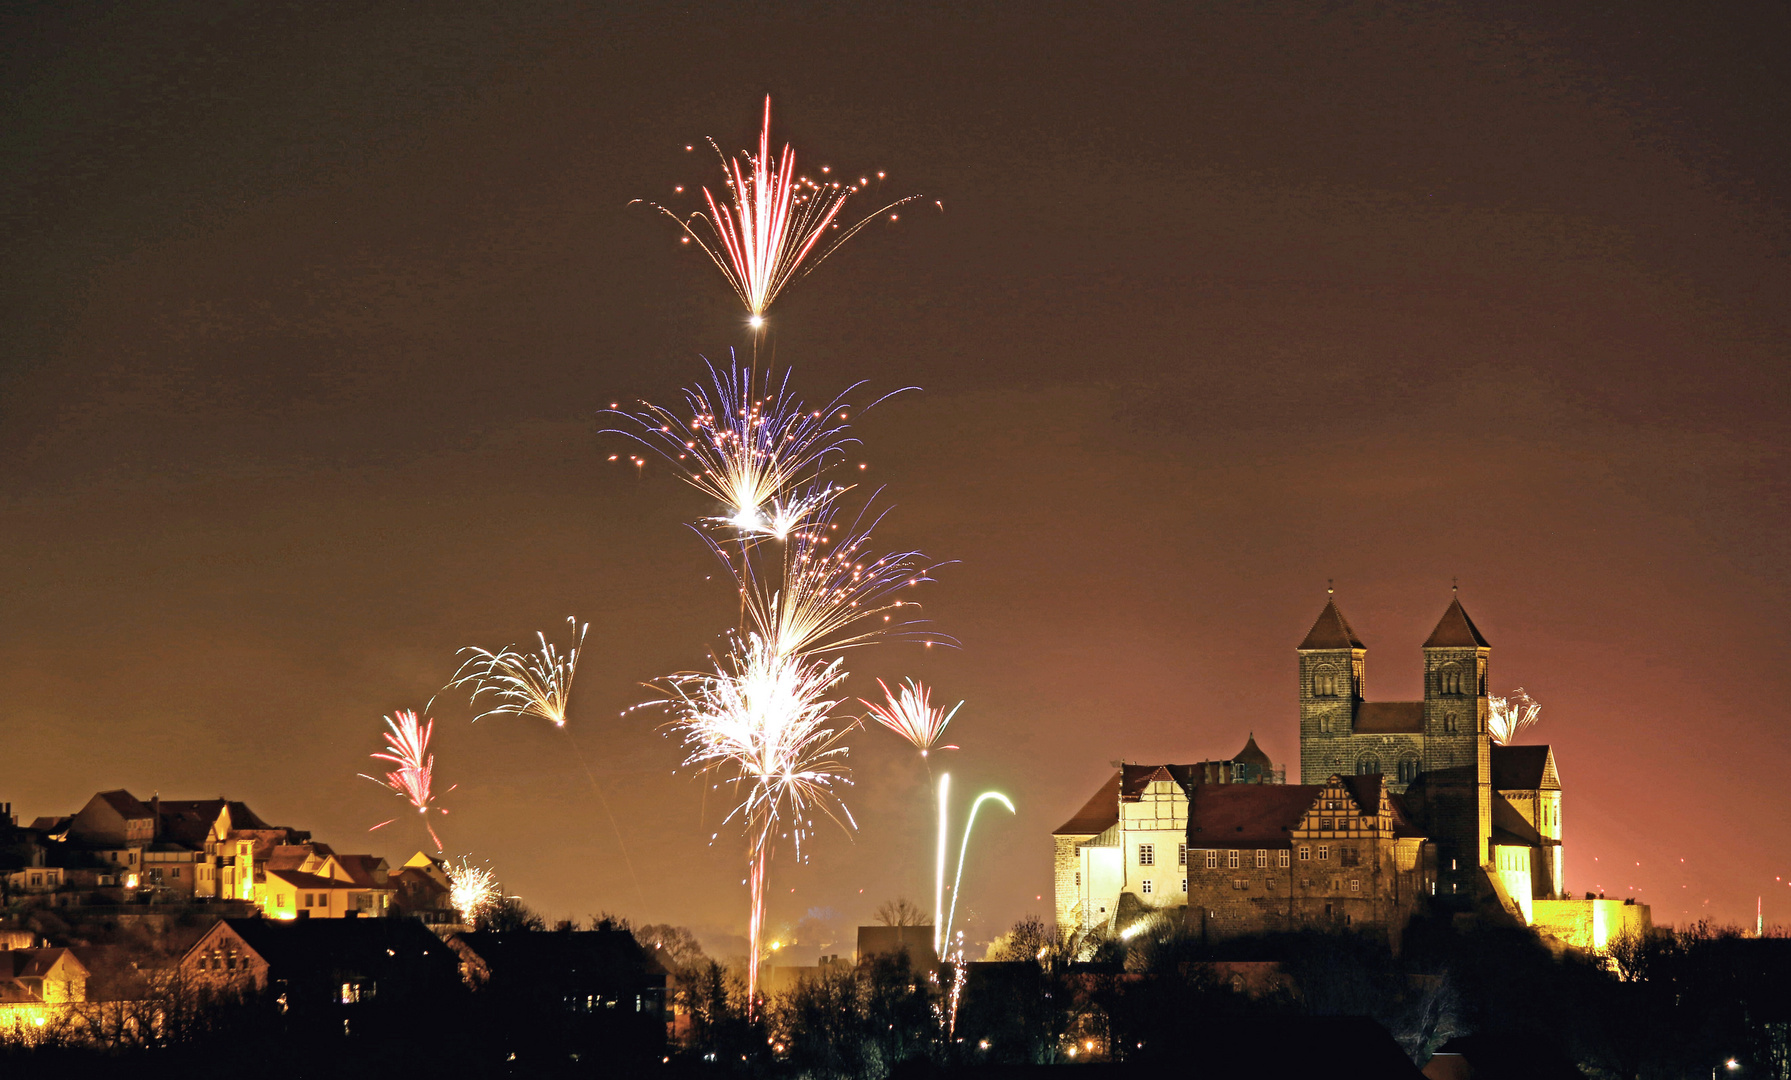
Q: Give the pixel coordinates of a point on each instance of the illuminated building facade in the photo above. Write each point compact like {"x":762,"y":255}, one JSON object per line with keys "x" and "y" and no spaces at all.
{"x":1401,"y":805}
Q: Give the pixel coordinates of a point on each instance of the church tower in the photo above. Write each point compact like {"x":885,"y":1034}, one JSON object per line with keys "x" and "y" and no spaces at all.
{"x":1457,"y":744}
{"x":1333,"y":665}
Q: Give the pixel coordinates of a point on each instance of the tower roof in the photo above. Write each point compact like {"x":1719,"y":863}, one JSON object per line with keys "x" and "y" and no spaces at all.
{"x":1252,"y":754}
{"x":1332,"y":631}
{"x":1456,"y":631}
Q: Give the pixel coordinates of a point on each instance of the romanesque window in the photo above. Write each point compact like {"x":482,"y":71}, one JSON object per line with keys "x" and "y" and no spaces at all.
{"x":1368,"y":765}
{"x":1305,"y":853}
{"x":1231,"y":860}
{"x":1181,"y":855}
{"x":1324,"y":851}
{"x":1408,"y":768}
{"x":1450,"y":726}
{"x":1147,"y":855}
{"x":1212,"y":860}
{"x":1324,"y":682}
{"x":1282,"y":859}
{"x":1450,"y":680}
{"x":1145,"y":886}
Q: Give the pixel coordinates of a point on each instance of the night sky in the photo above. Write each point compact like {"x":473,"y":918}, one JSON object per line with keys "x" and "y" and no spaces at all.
{"x":309,"y":312}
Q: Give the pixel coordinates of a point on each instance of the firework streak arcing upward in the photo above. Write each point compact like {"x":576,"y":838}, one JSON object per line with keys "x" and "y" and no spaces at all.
{"x":407,"y":747}
{"x":772,"y":221}
{"x":912,"y":716}
{"x":763,"y":721}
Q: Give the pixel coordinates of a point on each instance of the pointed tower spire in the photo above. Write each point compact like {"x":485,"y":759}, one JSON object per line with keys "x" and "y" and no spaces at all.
{"x":1331,"y":631}
{"x":1455,"y":630}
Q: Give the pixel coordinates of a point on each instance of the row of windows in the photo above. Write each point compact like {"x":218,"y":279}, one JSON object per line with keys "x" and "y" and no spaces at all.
{"x":1147,"y":855}
{"x":1147,"y":886}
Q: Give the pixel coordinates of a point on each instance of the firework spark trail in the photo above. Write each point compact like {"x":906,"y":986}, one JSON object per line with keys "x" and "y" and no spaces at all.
{"x":965,"y":846}
{"x":911,"y":715}
{"x":1512,"y":715}
{"x":828,"y":594}
{"x":473,"y":890}
{"x":407,"y":747}
{"x":538,"y":684}
{"x":753,"y":446}
{"x":760,"y":236}
{"x":523,"y":684}
{"x":763,"y":720}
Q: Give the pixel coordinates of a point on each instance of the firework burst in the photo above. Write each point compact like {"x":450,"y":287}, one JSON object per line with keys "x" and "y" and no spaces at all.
{"x":763,"y":722}
{"x":768,"y":227}
{"x":829,"y":593}
{"x":1511,"y":715}
{"x":751,"y":445}
{"x":413,"y":777}
{"x":473,"y":890}
{"x":911,"y":715}
{"x":523,"y":684}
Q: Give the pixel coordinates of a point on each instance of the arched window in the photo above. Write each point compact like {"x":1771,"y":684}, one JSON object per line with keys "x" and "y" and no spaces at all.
{"x":1408,"y":768}
{"x":1449,"y":680}
{"x":1324,"y":682}
{"x":1368,"y":765}
{"x":1450,"y":725}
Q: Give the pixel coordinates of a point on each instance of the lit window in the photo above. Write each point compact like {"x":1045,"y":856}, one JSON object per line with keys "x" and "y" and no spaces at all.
{"x":1145,"y":887}
{"x":1212,"y":860}
{"x":1324,"y":851}
{"x":1147,"y":855}
{"x":1231,"y":860}
{"x":1181,"y":855}
{"x":1305,"y":853}
{"x":1282,"y":859}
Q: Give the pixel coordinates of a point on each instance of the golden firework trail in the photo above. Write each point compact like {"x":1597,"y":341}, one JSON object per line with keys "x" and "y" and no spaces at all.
{"x":768,"y":225}
{"x":829,"y":593}
{"x":537,"y":684}
{"x":753,"y":446}
{"x":1511,"y":715}
{"x":763,"y":722}
{"x":523,"y":684}
{"x":987,"y":796}
{"x":407,"y":748}
{"x":473,"y":891}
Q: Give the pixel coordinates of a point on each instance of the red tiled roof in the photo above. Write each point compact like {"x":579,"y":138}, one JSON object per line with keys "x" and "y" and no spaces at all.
{"x":1098,"y":814}
{"x":1455,"y":630}
{"x":1389,"y":718}
{"x":1247,"y":815}
{"x":1331,"y":631}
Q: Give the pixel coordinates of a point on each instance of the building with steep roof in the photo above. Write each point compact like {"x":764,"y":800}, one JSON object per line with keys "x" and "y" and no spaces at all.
{"x":1129,"y":839}
{"x":1400,"y":805}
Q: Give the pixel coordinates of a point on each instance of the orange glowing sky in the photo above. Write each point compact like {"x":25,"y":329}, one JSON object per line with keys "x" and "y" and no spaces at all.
{"x":309,"y":315}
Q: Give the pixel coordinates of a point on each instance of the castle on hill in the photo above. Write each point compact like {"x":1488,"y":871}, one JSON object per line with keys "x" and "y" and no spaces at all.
{"x":1402,"y":807}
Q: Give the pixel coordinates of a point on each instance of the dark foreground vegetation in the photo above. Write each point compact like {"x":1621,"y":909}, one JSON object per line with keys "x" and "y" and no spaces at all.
{"x":1676,"y":1004}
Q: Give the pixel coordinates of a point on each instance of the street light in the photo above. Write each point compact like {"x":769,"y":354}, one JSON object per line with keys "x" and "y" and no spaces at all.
{"x":1730,"y":1065}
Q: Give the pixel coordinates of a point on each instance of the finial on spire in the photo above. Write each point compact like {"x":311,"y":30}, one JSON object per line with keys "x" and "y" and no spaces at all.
{"x":1455,"y":586}
{"x":1330,"y":586}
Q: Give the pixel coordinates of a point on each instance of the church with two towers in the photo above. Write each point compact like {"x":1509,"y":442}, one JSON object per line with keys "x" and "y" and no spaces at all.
{"x":1402,"y":807}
